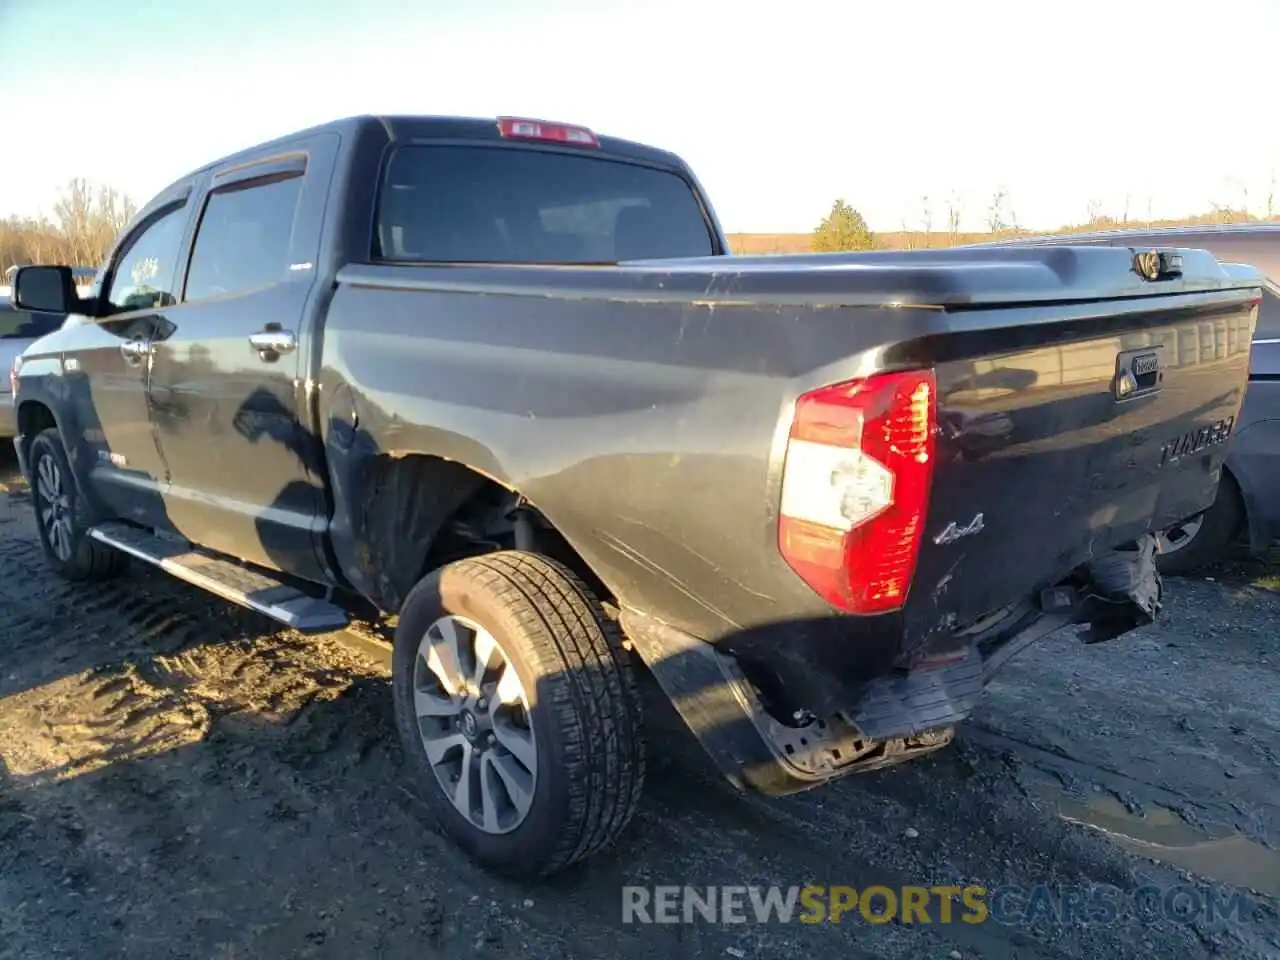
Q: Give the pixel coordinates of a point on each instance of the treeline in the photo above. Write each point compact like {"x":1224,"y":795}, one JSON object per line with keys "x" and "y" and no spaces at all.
{"x":87,"y":218}
{"x":845,"y":229}
{"x":84,"y":223}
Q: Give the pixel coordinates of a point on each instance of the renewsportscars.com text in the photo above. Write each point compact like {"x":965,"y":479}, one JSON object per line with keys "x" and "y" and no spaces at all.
{"x":1010,"y":905}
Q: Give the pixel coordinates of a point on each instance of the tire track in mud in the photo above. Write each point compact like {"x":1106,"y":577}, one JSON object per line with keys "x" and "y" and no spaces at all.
{"x":182,"y":779}
{"x":118,"y":718}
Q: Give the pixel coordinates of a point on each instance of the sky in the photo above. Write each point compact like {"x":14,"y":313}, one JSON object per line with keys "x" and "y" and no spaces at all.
{"x":1164,"y":108}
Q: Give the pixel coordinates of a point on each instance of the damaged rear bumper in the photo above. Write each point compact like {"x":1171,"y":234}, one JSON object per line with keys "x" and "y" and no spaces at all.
{"x":895,"y":717}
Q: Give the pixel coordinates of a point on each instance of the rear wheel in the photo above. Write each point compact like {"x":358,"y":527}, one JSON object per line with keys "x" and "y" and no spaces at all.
{"x":1197,"y":543}
{"x":60,"y":515}
{"x":518,"y":711}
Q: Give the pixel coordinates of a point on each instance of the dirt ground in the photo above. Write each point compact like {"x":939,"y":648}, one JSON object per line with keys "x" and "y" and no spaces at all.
{"x":178,"y":778}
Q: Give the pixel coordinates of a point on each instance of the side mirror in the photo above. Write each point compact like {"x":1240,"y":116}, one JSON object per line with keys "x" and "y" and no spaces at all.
{"x":44,"y":289}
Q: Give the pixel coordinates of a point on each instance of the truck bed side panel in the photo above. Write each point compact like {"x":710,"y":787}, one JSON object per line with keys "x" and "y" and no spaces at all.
{"x":646,"y":432}
{"x":651,"y":429}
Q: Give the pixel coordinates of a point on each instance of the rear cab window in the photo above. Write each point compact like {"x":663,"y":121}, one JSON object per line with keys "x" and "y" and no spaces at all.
{"x":490,"y":204}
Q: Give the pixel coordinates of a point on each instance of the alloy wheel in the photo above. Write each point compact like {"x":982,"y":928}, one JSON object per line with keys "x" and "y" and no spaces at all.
{"x":53,"y":507}
{"x":473,"y":717}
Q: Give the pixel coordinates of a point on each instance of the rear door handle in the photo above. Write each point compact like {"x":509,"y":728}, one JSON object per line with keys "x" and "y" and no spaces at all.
{"x":270,"y":344}
{"x":135,"y":350}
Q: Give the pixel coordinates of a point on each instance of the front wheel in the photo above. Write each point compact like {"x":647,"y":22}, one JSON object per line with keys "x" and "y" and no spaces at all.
{"x":60,"y":515}
{"x":518,"y":711}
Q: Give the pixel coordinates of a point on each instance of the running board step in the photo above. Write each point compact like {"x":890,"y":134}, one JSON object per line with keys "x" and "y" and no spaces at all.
{"x":249,"y":588}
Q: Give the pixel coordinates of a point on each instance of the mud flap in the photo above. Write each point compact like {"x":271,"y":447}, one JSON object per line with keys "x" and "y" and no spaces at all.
{"x":1124,"y":592}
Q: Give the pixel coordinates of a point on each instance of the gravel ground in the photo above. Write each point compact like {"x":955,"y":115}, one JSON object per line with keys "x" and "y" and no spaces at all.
{"x":178,"y":778}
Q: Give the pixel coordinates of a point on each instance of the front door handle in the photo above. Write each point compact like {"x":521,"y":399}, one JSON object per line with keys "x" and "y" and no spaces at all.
{"x":135,"y":350}
{"x":270,"y":344}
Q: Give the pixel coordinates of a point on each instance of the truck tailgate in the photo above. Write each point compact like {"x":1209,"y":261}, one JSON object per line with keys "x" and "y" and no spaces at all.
{"x":1051,"y":454}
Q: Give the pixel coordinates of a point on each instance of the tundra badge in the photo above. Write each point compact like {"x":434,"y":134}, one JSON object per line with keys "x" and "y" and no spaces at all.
{"x":1196,"y":441}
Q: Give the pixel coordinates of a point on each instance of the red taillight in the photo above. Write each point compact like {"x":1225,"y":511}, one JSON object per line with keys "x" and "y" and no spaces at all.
{"x":855,"y":488}
{"x":517,"y":128}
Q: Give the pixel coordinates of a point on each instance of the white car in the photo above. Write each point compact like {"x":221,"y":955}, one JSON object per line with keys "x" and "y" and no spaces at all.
{"x":18,"y":329}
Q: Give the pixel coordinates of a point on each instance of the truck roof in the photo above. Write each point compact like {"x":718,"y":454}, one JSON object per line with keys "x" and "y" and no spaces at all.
{"x":410,"y":128}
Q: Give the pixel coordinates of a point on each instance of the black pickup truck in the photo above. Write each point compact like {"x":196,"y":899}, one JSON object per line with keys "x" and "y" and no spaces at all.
{"x":502,"y":381}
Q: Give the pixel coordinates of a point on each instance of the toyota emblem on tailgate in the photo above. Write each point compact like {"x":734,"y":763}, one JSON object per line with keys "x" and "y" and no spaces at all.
{"x":1146,"y":264}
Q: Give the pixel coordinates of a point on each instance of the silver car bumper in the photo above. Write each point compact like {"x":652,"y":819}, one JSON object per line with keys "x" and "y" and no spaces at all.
{"x":8,"y":418}
{"x":21,"y":449}
{"x":9,"y":429}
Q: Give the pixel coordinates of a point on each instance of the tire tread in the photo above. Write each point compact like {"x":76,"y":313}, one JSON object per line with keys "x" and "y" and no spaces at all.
{"x":585,"y":682}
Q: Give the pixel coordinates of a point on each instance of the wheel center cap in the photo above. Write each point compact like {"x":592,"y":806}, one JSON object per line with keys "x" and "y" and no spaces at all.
{"x":469,"y":725}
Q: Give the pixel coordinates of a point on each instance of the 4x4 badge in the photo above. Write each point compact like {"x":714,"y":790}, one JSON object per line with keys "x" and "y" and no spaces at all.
{"x":954,"y":531}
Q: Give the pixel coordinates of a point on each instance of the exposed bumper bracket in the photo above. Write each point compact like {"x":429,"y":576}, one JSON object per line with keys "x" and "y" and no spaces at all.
{"x":900,"y":715}
{"x":897,"y":717}
{"x":1125,"y":592}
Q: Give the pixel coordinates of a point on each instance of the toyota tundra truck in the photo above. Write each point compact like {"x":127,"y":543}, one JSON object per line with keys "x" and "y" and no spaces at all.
{"x":502,"y":381}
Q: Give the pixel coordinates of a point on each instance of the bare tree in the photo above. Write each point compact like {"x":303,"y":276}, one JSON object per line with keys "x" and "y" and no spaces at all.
{"x":82,"y":230}
{"x":926,"y":219}
{"x":908,"y":237}
{"x":1228,"y":212}
{"x":115,"y":209}
{"x":955,"y":212}
{"x":73,"y":213}
{"x":996,"y":213}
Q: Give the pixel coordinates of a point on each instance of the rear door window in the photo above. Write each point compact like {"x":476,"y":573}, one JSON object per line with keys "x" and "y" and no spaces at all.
{"x":515,"y":205}
{"x":244,"y":237}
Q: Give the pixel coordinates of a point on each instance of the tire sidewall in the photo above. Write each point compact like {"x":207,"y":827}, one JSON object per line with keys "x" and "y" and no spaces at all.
{"x":451,"y":591}
{"x":46,"y":446}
